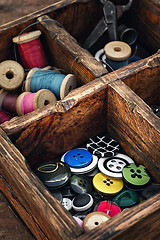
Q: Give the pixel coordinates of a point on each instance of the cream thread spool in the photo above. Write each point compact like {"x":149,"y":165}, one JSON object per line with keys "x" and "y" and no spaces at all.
{"x":11,"y":75}
{"x":41,"y":98}
{"x":117,"y":54}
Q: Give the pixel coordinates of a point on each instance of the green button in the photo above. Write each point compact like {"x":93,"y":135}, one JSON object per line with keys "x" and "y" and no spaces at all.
{"x":126,"y":198}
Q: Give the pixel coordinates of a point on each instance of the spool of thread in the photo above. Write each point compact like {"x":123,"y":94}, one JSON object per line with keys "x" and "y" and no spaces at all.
{"x":8,"y":101}
{"x":57,"y":83}
{"x":11,"y":75}
{"x":117,"y":54}
{"x":127,"y":34}
{"x":28,"y":102}
{"x":31,"y":50}
{"x":4,"y":117}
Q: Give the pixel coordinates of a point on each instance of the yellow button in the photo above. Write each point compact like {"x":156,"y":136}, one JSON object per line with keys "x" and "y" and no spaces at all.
{"x":93,"y":220}
{"x":107,"y":185}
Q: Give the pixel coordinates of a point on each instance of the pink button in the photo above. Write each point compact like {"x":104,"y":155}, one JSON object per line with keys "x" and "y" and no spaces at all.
{"x":108,"y":207}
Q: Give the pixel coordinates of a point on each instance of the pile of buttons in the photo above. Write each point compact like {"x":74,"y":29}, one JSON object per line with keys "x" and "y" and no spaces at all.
{"x":97,"y":181}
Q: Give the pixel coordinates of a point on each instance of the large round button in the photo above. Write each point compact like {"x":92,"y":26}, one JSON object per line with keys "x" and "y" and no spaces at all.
{"x":107,"y":185}
{"x":102,"y":146}
{"x":93,"y":220}
{"x":79,"y":221}
{"x":87,"y":169}
{"x":126,"y":198}
{"x":53,"y":174}
{"x":77,"y":158}
{"x":108,"y":207}
{"x":113,"y":166}
{"x":82,"y":202}
{"x":136,"y":175}
{"x":81,"y":184}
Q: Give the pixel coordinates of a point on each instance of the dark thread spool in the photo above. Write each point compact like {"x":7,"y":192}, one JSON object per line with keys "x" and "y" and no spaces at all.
{"x":8,"y":101}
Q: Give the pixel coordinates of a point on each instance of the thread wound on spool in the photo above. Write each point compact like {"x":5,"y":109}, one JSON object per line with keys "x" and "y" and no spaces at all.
{"x":11,"y":75}
{"x":28,"y":102}
{"x":31,"y":50}
{"x":117,"y":54}
{"x":4,"y":117}
{"x":57,"y":83}
{"x":8,"y":101}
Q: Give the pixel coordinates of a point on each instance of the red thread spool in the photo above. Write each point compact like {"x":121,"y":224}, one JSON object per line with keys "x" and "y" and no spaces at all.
{"x":4,"y":117}
{"x":31,"y":50}
{"x":8,"y":101}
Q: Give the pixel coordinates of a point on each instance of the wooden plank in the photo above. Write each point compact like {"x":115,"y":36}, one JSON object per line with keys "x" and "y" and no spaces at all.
{"x":134,"y":126}
{"x":53,"y":220}
{"x":139,"y":222}
{"x":10,"y":224}
{"x":65,"y":51}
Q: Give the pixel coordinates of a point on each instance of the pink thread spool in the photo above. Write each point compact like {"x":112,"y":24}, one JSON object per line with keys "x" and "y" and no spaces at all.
{"x":31,"y":50}
{"x":28,"y":102}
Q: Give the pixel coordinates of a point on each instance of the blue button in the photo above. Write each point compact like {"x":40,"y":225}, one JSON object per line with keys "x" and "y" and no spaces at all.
{"x":78,"y":158}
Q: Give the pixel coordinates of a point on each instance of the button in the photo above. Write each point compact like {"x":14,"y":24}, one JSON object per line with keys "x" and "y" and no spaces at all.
{"x":53,"y":174}
{"x":86,"y":169}
{"x":93,"y":220}
{"x":82,"y":202}
{"x":67,"y":191}
{"x":113,"y":166}
{"x":57,"y":194}
{"x":79,"y":221}
{"x":77,"y":158}
{"x":150,"y":191}
{"x":126,"y":198}
{"x":102,"y":146}
{"x":108,"y":207}
{"x":136,"y":176}
{"x":67,"y":203}
{"x":81,"y":184}
{"x":97,"y":197}
{"x":107,"y":185}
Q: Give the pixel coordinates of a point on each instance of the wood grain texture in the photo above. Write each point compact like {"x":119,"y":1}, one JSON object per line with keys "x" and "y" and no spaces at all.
{"x":145,"y":17}
{"x":10,"y":224}
{"x":50,"y":217}
{"x":139,"y":222}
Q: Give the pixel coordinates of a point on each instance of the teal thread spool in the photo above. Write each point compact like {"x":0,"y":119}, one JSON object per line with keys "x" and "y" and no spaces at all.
{"x":57,"y":83}
{"x":117,"y":54}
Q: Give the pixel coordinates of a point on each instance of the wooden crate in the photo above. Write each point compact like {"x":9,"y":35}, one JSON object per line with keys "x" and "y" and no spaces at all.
{"x":117,"y":102}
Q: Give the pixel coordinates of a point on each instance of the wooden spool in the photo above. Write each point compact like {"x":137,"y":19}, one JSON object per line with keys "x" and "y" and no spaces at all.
{"x":42,"y":98}
{"x":11,"y":75}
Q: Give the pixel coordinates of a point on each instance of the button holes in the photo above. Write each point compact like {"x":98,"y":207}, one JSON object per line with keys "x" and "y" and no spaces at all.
{"x":138,"y":171}
{"x":111,"y":165}
{"x":108,"y":179}
{"x":96,"y":223}
{"x":74,"y":155}
{"x":113,"y":160}
{"x":139,"y":176}
{"x":133,"y":175}
{"x":108,"y":184}
{"x":78,"y":154}
{"x":111,"y":182}
{"x":81,"y":156}
{"x":104,"y":181}
{"x":132,"y":170}
{"x":118,"y":167}
{"x":121,"y":163}
{"x":80,"y":180}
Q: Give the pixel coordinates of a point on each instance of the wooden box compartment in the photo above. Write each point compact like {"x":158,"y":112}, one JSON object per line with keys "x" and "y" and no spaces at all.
{"x":117,"y":102}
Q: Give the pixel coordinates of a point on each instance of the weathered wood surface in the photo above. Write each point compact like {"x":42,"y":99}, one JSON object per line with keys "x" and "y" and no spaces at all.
{"x":10,"y":224}
{"x":50,"y":131}
{"x":145,"y":17}
{"x":65,"y":53}
{"x":42,"y":213}
{"x":139,"y":222}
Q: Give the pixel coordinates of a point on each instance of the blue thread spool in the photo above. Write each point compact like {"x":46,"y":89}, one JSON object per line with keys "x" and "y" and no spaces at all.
{"x":57,"y":83}
{"x":117,"y":54}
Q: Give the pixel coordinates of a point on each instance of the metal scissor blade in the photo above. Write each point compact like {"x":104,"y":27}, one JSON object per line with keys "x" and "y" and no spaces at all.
{"x":100,"y":28}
